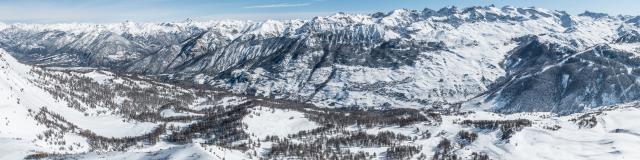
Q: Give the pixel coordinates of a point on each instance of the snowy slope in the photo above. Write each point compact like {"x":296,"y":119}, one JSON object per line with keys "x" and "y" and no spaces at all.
{"x":614,"y":137}
{"x":24,"y":124}
{"x":600,"y":133}
{"x":405,"y":84}
{"x":186,"y":152}
{"x":20,"y":96}
{"x":403,"y":58}
{"x":262,"y":122}
{"x":23,"y":98}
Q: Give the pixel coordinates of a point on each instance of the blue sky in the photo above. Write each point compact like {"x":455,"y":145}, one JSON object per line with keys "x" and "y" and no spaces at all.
{"x":109,"y":11}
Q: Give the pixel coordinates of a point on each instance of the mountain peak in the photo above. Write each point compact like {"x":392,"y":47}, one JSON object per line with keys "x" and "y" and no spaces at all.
{"x":594,"y":15}
{"x":449,"y":10}
{"x":188,"y":20}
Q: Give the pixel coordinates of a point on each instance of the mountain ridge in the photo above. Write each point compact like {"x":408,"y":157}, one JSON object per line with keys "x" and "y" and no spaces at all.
{"x":325,"y":60}
{"x":473,"y":83}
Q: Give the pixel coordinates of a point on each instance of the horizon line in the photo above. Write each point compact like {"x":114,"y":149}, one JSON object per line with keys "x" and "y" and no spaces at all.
{"x":306,"y":15}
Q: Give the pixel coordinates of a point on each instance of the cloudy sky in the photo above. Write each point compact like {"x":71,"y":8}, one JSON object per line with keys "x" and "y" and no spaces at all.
{"x":109,"y":11}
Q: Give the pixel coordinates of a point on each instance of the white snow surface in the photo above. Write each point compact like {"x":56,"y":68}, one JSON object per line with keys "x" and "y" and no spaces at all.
{"x":20,"y":99}
{"x":573,"y":142}
{"x":615,"y":136}
{"x":475,"y":50}
{"x":170,"y":152}
{"x":264,"y":122}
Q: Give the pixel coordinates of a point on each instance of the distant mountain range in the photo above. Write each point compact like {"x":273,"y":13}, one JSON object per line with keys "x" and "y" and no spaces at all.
{"x":503,"y":59}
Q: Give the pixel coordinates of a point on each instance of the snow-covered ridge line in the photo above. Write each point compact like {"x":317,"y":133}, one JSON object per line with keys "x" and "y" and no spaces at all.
{"x":477,"y":13}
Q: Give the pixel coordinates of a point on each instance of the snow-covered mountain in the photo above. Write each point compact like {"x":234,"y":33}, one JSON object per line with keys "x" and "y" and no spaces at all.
{"x":81,"y":113}
{"x":401,"y":59}
{"x":472,"y":83}
{"x":52,"y":114}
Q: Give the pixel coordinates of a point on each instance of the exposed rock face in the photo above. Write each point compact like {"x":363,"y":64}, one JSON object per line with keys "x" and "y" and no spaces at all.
{"x":566,"y":81}
{"x":549,"y":60}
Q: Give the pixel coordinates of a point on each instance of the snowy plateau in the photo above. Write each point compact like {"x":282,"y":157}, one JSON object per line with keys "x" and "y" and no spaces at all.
{"x":473,"y":83}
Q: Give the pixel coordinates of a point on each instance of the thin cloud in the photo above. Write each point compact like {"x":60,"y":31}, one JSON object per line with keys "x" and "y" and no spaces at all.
{"x":264,"y":16}
{"x":279,"y":5}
